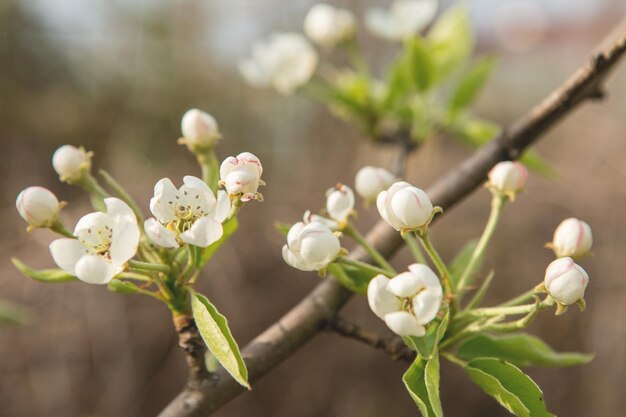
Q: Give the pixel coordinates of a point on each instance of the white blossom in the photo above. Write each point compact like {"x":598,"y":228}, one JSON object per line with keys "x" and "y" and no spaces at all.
{"x":408,"y":301}
{"x":310,"y":247}
{"x":191,"y":214}
{"x":241,"y":176}
{"x":508,"y":177}
{"x":327,"y":25}
{"x":371,"y":181}
{"x":572,"y":238}
{"x":38,"y":206}
{"x":404,"y":207}
{"x":104,"y":243}
{"x":340,"y":203}
{"x":199,"y":128}
{"x":566,"y":281}
{"x":403,"y":19}
{"x":285,"y":61}
{"x":71,"y":162}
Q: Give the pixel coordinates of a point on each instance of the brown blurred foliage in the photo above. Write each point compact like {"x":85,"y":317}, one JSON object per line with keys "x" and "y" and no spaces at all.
{"x":120,"y":90}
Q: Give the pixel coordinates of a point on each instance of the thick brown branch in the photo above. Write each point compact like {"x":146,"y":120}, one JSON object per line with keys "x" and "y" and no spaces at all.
{"x":392,"y":346}
{"x":311,"y":314}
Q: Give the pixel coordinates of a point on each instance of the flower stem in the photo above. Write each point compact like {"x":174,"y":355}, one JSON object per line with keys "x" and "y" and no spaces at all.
{"x":415,"y":249}
{"x":439,"y":264}
{"x":497,"y":203}
{"x":147,"y":266}
{"x":363,"y":266}
{"x":506,"y":311}
{"x":59,"y":227}
{"x":519,"y":299}
{"x":210,"y":169}
{"x":376,"y":256}
{"x":123,"y":194}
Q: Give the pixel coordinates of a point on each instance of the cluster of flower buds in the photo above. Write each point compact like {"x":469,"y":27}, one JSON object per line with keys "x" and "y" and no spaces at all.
{"x":408,"y":301}
{"x":507,"y":178}
{"x":327,"y":25}
{"x":405,"y":208}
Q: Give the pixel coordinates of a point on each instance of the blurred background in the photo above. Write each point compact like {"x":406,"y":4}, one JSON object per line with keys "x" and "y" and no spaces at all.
{"x":116,"y":76}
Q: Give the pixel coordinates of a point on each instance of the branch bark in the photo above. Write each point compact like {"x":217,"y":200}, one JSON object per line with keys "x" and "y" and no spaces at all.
{"x":313,"y":313}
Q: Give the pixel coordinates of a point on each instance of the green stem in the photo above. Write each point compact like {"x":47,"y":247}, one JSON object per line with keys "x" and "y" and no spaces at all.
{"x":356,"y":56}
{"x":123,"y":195}
{"x":415,"y":249}
{"x":497,"y":203}
{"x":439,"y":264}
{"x":210,"y":168}
{"x":147,"y":266}
{"x":506,"y":311}
{"x":135,"y":275}
{"x":376,"y":256}
{"x":519,"y":299}
{"x":363,"y":265}
{"x":60,"y":228}
{"x":454,"y":359}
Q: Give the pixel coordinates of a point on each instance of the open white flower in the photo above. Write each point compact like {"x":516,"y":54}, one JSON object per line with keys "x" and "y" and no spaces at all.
{"x":310,"y":247}
{"x":566,"y":281}
{"x":190,"y":214}
{"x":340,"y":203}
{"x":403,"y":19}
{"x":408,"y":301}
{"x":241,"y":176}
{"x":327,"y":25}
{"x":104,"y":243}
{"x":285,"y":61}
{"x":199,"y":128}
{"x":405,"y":207}
{"x":572,"y":238}
{"x":371,"y":181}
{"x":71,"y":162}
{"x":38,"y":206}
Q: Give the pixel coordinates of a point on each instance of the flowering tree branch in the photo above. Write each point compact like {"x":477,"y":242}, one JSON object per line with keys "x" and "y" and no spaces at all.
{"x":314,"y":313}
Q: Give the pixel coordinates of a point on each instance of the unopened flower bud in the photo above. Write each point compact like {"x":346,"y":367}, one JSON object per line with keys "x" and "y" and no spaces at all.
{"x":572,"y":238}
{"x":566,"y":281}
{"x":340,"y":203}
{"x":38,"y":206}
{"x":371,"y":181}
{"x":310,"y":247}
{"x":199,"y":129}
{"x":241,"y":176}
{"x":327,"y":26}
{"x":405,"y":207}
{"x":508,"y":178}
{"x":71,"y":163}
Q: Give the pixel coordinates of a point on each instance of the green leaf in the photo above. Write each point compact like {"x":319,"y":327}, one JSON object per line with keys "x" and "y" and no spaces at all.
{"x":50,"y":276}
{"x":213,"y":328}
{"x":282,"y":228}
{"x":426,"y":345}
{"x":351,"y":277}
{"x":461,"y":259}
{"x":520,"y":349}
{"x":451,"y":40}
{"x":421,"y":68}
{"x":470,"y":84}
{"x":13,"y":314}
{"x":536,"y":163}
{"x":480,"y":294}
{"x":513,"y":389}
{"x":432,"y":384}
{"x":415,"y":382}
{"x":207,"y":253}
{"x":474,"y":132}
{"x":122,"y":287}
{"x":398,"y":83}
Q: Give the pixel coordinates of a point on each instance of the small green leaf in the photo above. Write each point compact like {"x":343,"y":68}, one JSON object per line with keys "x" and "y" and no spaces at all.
{"x":51,"y":276}
{"x":415,"y":382}
{"x":536,"y":163}
{"x":520,"y":349}
{"x":351,"y":277}
{"x":282,"y":228}
{"x":513,"y":389}
{"x":398,"y":83}
{"x":451,"y":40}
{"x":13,"y":314}
{"x":122,"y":287}
{"x":461,"y":259}
{"x":470,"y":84}
{"x":426,"y":345}
{"x":421,"y":68}
{"x":432,"y":384}
{"x":207,"y":253}
{"x":213,"y":328}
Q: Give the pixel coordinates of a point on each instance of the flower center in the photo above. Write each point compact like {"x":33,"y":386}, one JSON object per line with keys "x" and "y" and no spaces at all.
{"x":97,"y":240}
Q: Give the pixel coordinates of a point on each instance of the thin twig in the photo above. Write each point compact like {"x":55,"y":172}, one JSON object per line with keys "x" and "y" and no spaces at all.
{"x":311,"y":314}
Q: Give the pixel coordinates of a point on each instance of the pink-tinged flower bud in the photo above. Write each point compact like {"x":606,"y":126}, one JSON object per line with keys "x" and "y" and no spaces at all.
{"x":38,"y":206}
{"x":566,"y":281}
{"x":508,"y":178}
{"x":340,"y":203}
{"x":199,"y":128}
{"x":405,"y":207}
{"x":572,"y":238}
{"x":241,"y":176}
{"x":327,"y":25}
{"x":371,"y":181}
{"x":71,"y":162}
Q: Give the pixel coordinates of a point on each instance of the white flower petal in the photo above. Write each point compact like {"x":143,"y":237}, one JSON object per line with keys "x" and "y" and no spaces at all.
{"x":66,"y":253}
{"x":203,"y":232}
{"x":426,"y":304}
{"x":412,"y":207}
{"x":162,"y":204}
{"x":380,"y":299}
{"x":294,"y":261}
{"x":404,"y":324}
{"x":116,"y":207}
{"x":195,"y":182}
{"x":93,"y":269}
{"x":404,"y":285}
{"x":223,"y":206}
{"x":124,"y":241}
{"x":159,"y":234}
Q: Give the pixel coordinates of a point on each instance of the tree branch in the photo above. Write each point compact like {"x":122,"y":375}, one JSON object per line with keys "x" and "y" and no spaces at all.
{"x":312,"y":313}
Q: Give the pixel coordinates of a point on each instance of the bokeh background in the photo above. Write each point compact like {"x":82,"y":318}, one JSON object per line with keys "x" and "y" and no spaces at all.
{"x":116,"y":76}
